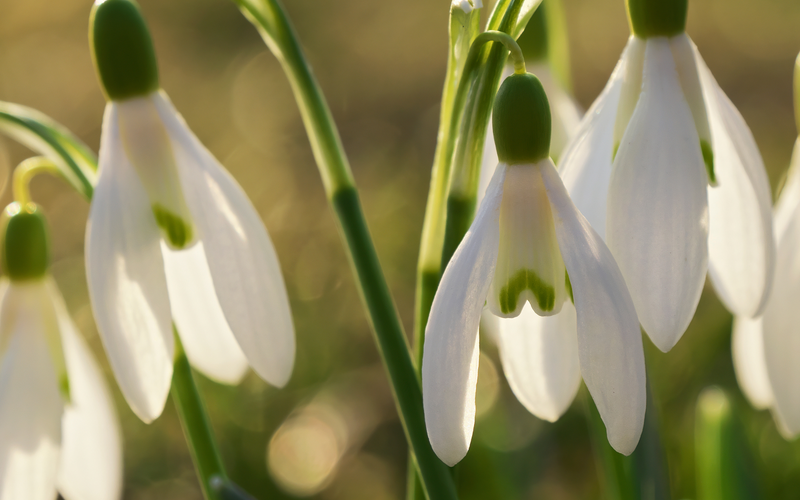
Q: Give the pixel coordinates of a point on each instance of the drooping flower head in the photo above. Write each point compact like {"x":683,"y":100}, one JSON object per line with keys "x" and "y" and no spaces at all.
{"x":172,"y":237}
{"x":665,"y":168}
{"x":58,"y":428}
{"x":529,"y":244}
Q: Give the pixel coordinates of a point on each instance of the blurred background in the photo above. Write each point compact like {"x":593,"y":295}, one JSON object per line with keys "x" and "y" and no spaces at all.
{"x":332,"y":433}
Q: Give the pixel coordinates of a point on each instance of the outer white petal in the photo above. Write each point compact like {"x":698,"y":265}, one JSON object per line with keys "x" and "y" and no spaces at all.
{"x":749,"y":362}
{"x":585,"y":165}
{"x":540,"y":359}
{"x":789,"y":201}
{"x":740,"y":242}
{"x":30,"y":412}
{"x":206,"y":336}
{"x":243,"y":264}
{"x":127,"y":285}
{"x":657,"y":225}
{"x":609,"y":339}
{"x":781,"y":335}
{"x":632,"y":73}
{"x":450,"y":358}
{"x":91,"y":455}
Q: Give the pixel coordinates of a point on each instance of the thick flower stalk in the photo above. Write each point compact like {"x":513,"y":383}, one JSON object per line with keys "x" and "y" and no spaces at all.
{"x":666,"y":170}
{"x":765,"y":348}
{"x":528,"y":243}
{"x":172,"y":237}
{"x":58,"y":429}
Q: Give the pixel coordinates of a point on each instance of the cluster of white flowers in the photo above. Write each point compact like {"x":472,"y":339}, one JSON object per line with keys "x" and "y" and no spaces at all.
{"x":665,"y":172}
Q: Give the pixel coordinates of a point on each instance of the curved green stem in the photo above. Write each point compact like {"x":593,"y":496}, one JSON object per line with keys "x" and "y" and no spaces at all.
{"x":25,"y":172}
{"x":271,"y":21}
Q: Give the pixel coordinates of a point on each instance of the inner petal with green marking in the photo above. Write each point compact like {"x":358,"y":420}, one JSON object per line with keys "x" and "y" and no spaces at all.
{"x":529,"y":264}
{"x":148,"y":147}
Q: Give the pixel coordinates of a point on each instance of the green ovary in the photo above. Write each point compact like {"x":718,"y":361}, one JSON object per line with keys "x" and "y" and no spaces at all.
{"x":527,"y":279}
{"x":177,"y":231}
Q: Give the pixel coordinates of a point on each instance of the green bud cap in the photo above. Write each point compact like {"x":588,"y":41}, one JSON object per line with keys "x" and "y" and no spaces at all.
{"x":521,"y":120}
{"x":533,"y":41}
{"x":122,"y":50}
{"x":649,"y":18}
{"x":26,"y":245}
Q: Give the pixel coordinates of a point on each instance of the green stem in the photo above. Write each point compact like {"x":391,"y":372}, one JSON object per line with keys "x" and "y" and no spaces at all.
{"x":271,"y":21}
{"x":196,"y":425}
{"x":25,"y":172}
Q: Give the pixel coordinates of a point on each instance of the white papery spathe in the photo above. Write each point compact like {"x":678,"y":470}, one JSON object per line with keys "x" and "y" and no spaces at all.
{"x":636,"y":170}
{"x":765,"y":349}
{"x":609,"y":346}
{"x":49,"y":443}
{"x":223,"y":289}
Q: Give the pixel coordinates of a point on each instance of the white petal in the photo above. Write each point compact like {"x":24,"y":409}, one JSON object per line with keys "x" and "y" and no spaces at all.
{"x":685,"y":55}
{"x":450,"y":357}
{"x":91,"y":455}
{"x":529,"y":265}
{"x":789,"y":201}
{"x":781,"y":334}
{"x":148,"y":148}
{"x":127,"y":285}
{"x":585,"y":165}
{"x":206,"y":336}
{"x":749,"y":362}
{"x":609,"y":339}
{"x":632,"y":72}
{"x":540,"y":360}
{"x":30,"y":412}
{"x":657,"y":225}
{"x":741,"y":247}
{"x":242,"y":261}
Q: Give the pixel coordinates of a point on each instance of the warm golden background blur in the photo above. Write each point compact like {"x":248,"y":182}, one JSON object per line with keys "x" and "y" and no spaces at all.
{"x":332,"y":433}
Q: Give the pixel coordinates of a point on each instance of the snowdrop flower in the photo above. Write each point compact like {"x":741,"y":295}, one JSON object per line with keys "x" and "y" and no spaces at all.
{"x":665,"y":168}
{"x":173,"y":237}
{"x":765,"y":348}
{"x":528,"y":243}
{"x":58,"y":428}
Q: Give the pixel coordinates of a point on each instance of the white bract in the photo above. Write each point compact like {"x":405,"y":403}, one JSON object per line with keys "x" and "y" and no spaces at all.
{"x":765,"y":348}
{"x":172,"y":237}
{"x":526,"y":238}
{"x":58,"y":428}
{"x":666,"y":170}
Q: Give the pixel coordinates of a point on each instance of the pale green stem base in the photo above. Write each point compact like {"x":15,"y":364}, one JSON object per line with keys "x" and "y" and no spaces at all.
{"x":196,"y":426}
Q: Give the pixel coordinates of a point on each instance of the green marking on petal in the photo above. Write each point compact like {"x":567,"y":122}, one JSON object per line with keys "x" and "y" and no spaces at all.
{"x":569,"y":286}
{"x":177,"y":231}
{"x":708,"y":159}
{"x":614,"y":153}
{"x":527,"y":279}
{"x":63,"y":387}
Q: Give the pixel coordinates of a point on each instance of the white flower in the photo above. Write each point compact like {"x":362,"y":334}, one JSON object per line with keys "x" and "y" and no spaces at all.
{"x":58,"y":428}
{"x":765,"y":348}
{"x":528,"y":243}
{"x":173,"y":237}
{"x":639,"y":170}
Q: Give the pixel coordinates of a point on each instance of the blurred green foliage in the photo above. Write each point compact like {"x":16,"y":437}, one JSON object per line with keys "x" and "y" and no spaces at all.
{"x":332,"y":432}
